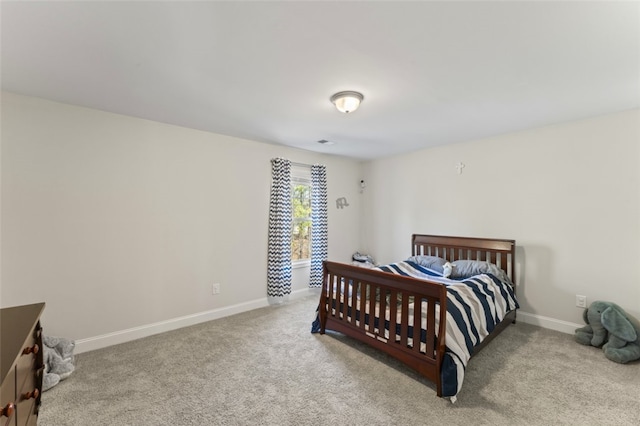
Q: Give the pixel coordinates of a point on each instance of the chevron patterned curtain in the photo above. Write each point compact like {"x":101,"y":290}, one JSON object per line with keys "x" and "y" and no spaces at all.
{"x":280,"y":218}
{"x":319,"y":219}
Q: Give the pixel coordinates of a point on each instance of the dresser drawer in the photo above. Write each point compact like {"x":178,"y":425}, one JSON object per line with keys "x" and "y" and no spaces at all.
{"x":25,"y":409}
{"x":7,"y":399}
{"x":27,"y":397}
{"x":21,"y":364}
{"x":26,"y":362}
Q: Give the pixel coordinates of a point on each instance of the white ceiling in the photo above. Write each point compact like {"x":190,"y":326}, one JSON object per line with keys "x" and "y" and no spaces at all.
{"x":431,"y":73}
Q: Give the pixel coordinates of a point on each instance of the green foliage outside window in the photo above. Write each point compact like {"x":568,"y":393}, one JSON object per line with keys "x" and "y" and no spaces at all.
{"x":301,"y":227}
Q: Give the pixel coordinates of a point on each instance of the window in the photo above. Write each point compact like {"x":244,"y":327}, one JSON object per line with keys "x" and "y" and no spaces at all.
{"x":301,"y":225}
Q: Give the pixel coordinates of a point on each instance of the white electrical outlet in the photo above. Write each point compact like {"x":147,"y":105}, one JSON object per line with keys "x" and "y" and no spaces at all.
{"x":581,"y":301}
{"x":215,"y":288}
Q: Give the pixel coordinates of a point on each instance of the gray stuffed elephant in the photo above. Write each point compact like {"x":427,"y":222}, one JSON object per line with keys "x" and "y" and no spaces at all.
{"x":609,"y":324}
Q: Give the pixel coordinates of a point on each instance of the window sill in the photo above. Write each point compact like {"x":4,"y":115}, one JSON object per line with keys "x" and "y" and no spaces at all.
{"x":300,"y":264}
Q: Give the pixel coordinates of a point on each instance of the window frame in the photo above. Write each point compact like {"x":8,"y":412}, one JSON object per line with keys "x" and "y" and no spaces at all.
{"x":301,"y":176}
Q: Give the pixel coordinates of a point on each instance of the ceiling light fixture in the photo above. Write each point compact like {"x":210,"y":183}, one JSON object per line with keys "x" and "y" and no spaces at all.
{"x":347,"y":101}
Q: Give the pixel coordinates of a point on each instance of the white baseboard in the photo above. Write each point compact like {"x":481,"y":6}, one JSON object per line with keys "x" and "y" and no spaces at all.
{"x":546,"y":322}
{"x":122,"y":336}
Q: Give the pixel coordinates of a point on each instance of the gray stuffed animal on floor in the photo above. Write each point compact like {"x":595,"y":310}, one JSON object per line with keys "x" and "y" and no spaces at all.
{"x":58,"y":360}
{"x":609,"y":326}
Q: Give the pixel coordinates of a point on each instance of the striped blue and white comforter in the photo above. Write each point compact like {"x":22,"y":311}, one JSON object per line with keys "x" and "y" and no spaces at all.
{"x":475,"y":306}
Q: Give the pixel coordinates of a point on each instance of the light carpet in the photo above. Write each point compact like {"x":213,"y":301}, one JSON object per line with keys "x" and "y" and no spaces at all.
{"x":264,"y":367}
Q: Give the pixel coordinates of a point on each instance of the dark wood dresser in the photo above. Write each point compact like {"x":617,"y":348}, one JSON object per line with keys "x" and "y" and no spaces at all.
{"x":22,"y":364}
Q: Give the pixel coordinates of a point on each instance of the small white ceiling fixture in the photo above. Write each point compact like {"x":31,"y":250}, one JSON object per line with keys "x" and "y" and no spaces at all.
{"x":347,"y":101}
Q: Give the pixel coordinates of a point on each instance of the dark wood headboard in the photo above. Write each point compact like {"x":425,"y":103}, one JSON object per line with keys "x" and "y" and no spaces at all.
{"x":498,"y":251}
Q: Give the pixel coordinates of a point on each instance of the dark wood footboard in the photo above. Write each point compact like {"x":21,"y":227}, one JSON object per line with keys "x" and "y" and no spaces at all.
{"x":350,"y":294}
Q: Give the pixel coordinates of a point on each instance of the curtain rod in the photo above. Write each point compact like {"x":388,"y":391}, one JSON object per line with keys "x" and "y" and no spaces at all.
{"x":294,"y":163}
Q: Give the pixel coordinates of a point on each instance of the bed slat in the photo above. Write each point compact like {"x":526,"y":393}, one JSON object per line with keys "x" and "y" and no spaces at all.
{"x":363,"y":290}
{"x":383,"y":314}
{"x":393,"y":312}
{"x":354,"y":298}
{"x":404,"y":319}
{"x":417,"y":319}
{"x":372,"y":307}
{"x":431,"y":322}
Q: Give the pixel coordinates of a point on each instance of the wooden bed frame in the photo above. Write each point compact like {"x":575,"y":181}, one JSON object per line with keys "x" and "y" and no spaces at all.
{"x":335,"y":316}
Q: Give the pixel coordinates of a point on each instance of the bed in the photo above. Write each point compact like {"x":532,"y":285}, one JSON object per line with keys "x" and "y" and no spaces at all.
{"x":379,"y":306}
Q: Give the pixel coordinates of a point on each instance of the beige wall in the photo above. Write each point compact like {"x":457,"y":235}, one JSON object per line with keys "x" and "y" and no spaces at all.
{"x":119,"y":223}
{"x":568,"y":194}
